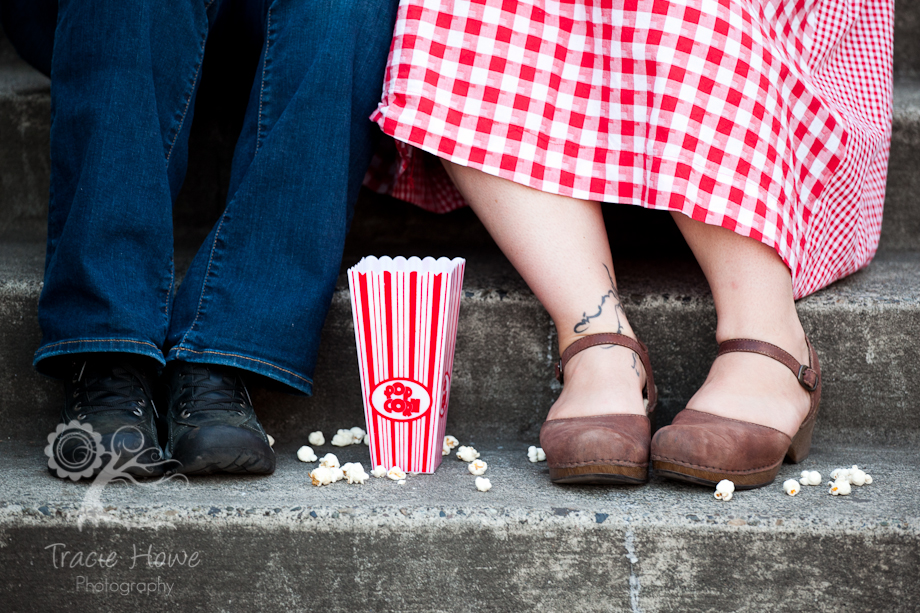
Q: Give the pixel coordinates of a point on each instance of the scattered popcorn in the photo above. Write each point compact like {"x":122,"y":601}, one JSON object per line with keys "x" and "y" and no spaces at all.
{"x":810,"y":477}
{"x":478,"y":467}
{"x":483,"y":484}
{"x":305,"y":454}
{"x":536,"y":454}
{"x":355,"y":474}
{"x":329,"y":461}
{"x":467,"y":454}
{"x":853,"y":476}
{"x":271,"y":440}
{"x":358,"y":434}
{"x":840,"y":487}
{"x":316,"y":439}
{"x":367,"y":439}
{"x":396,"y":474}
{"x":449,"y":443}
{"x":401,"y":482}
{"x":379,"y":472}
{"x":724,"y":490}
{"x":321,"y":475}
{"x":343,"y":438}
{"x":337,"y":474}
{"x":791,"y":487}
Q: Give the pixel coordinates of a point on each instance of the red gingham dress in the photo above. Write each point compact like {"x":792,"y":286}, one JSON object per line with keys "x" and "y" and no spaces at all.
{"x":771,"y":118}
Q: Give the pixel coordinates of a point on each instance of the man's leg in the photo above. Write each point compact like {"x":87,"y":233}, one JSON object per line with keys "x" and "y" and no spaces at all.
{"x":257,"y":293}
{"x":124,"y":75}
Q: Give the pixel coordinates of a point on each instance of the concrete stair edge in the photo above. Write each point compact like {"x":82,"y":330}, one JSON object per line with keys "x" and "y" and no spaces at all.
{"x":436,"y":544}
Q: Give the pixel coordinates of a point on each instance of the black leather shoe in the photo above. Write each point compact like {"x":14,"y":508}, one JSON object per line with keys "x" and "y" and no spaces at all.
{"x":108,"y":410}
{"x":212,"y":423}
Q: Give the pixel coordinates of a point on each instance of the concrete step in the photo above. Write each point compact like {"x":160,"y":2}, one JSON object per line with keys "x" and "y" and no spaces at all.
{"x":865,"y":328}
{"x":906,"y":40}
{"x":436,"y":544}
{"x":24,"y":165}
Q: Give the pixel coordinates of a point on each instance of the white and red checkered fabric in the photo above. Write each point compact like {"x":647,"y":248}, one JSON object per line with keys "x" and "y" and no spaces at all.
{"x":771,"y":118}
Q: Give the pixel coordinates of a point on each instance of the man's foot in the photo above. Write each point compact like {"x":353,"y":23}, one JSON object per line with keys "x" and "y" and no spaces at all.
{"x":756,"y":389}
{"x":212,"y":424}
{"x":108,"y":395}
{"x":601,"y":380}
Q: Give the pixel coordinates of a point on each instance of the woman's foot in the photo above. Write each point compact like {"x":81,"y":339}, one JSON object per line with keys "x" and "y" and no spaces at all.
{"x":754,"y":298}
{"x":596,"y":440}
{"x":602,"y":380}
{"x":757,"y":389}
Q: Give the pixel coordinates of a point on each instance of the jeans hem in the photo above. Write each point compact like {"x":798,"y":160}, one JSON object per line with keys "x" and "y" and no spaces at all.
{"x":288,"y":377}
{"x":42,"y":364}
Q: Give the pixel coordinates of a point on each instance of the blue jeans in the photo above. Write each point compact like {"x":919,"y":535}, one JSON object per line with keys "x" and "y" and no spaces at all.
{"x":124,"y":76}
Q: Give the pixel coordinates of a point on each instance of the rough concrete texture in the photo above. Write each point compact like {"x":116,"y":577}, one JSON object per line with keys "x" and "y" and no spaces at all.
{"x":901,"y":219}
{"x":437,"y":544}
{"x":906,"y":43}
{"x":865,"y":328}
{"x":25,"y":111}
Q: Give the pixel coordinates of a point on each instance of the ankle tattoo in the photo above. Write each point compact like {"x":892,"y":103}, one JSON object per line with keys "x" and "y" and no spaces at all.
{"x":583,"y":325}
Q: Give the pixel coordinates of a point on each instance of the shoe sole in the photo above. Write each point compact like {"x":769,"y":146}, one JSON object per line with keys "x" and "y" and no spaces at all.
{"x":670,"y":470}
{"x":599,"y":474}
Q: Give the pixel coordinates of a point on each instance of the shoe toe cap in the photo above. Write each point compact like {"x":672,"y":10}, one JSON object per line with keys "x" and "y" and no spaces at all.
{"x":223,"y":448}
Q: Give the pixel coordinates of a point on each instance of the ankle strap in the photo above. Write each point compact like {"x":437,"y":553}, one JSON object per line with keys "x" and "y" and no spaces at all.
{"x":612,"y":338}
{"x":808,"y":377}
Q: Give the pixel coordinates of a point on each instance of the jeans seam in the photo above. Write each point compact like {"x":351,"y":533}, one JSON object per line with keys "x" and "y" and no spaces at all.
{"x":245,"y":357}
{"x":188,"y":93}
{"x":99,"y":340}
{"x":204,"y":279}
{"x":268,"y":42}
{"x":172,"y":282}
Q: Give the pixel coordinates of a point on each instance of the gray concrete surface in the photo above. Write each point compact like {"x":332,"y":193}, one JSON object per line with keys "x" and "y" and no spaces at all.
{"x":901,"y":219}
{"x":865,"y":328}
{"x":906,"y":43}
{"x":437,"y":544}
{"x":25,"y":121}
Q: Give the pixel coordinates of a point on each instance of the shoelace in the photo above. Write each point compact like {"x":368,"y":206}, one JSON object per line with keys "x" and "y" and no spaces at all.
{"x":229,"y":395}
{"x":120,"y":388}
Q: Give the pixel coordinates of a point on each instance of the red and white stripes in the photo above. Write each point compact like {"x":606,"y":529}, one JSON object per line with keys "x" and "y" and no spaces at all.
{"x":405,"y":314}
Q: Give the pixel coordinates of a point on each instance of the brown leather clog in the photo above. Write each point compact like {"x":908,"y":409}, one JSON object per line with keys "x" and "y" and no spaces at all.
{"x":601,"y":449}
{"x":703,"y":448}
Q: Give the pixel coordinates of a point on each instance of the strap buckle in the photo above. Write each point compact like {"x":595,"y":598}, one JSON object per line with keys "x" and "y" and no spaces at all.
{"x":803,"y":370}
{"x":558,"y":368}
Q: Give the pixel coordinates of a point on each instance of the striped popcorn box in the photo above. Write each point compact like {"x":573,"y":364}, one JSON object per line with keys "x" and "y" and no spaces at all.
{"x":405,"y":314}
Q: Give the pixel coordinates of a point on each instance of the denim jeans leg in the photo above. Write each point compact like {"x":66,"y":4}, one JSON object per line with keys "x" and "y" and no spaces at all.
{"x":257,"y":294}
{"x":123,"y":80}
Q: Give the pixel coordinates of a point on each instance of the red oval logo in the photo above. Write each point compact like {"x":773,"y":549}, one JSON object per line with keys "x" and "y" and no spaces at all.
{"x":401,"y":399}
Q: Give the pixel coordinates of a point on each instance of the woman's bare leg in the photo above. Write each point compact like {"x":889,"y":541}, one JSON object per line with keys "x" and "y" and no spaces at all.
{"x":752,"y":290}
{"x":560,"y":246}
